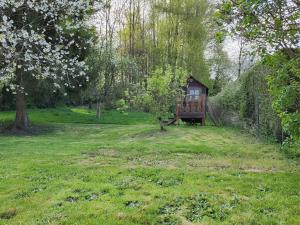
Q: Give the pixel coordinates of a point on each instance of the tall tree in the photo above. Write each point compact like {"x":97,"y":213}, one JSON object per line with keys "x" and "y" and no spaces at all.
{"x":37,"y":38}
{"x":219,"y":67}
{"x":173,"y":34}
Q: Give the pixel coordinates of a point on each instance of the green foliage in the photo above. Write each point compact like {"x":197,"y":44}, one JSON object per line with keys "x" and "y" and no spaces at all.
{"x":219,"y":68}
{"x":264,"y":23}
{"x":96,"y":61}
{"x":247,"y":103}
{"x":41,"y":96}
{"x":256,"y":103}
{"x":163,"y":86}
{"x":174,"y":34}
{"x":229,"y":97}
{"x":284,"y":83}
{"x":111,"y":76}
{"x":271,"y":25}
{"x":122,"y":105}
{"x":7,"y":100}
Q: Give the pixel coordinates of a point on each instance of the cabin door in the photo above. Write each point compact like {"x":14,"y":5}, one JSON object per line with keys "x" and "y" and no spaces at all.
{"x":196,"y":99}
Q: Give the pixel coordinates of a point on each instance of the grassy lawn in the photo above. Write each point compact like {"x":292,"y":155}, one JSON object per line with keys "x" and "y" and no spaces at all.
{"x":81,"y":115}
{"x":125,"y":171}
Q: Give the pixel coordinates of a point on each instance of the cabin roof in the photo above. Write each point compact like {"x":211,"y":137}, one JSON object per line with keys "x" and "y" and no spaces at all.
{"x":197,"y":81}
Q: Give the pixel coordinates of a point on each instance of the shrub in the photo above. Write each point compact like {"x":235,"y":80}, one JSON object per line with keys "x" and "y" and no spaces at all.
{"x":247,"y":103}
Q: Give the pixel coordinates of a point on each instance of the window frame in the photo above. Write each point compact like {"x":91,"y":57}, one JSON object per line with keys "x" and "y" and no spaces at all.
{"x":194,"y":93}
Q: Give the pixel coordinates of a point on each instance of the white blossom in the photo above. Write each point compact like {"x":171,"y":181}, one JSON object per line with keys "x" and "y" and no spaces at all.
{"x":30,"y":48}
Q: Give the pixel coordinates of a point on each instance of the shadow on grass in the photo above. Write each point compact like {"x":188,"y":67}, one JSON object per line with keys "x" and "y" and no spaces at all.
{"x":33,"y":130}
{"x":81,"y":115}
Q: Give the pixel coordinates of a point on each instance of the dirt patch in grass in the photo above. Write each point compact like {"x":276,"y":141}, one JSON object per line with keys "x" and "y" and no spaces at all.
{"x":102,"y":152}
{"x":9,"y":214}
{"x":103,"y":157}
{"x":261,"y":170}
{"x":135,"y":162}
{"x":208,"y":164}
{"x":148,"y":134}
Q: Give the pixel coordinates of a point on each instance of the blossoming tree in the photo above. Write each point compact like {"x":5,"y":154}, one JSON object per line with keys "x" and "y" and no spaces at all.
{"x":37,"y":40}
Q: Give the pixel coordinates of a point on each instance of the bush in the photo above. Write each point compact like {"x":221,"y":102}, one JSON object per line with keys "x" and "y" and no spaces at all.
{"x":284,"y":83}
{"x":247,"y":103}
{"x":158,"y":94}
{"x":121,"y":105}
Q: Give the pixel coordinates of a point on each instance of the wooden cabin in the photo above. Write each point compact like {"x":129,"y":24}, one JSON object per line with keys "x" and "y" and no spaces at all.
{"x":191,"y":107}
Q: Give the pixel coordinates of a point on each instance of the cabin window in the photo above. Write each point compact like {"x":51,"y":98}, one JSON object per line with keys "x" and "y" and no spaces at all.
{"x":194,"y":94}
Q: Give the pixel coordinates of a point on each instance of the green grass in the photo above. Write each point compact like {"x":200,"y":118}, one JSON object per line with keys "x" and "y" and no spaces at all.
{"x":81,"y":115}
{"x":128,"y":172}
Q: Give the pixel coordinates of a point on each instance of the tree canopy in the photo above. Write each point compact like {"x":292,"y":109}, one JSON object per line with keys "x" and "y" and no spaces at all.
{"x":42,"y":40}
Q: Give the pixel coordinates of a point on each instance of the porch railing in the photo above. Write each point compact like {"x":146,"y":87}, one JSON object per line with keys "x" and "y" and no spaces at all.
{"x":186,"y":105}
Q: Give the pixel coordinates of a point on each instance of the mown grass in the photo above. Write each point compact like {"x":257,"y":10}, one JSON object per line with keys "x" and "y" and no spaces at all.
{"x":81,"y":115}
{"x":80,"y":172}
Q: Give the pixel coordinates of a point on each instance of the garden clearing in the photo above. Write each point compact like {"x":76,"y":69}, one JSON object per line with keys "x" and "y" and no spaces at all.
{"x":125,"y":171}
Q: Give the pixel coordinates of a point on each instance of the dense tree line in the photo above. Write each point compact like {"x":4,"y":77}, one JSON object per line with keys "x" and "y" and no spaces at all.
{"x":135,"y":38}
{"x":143,"y":36}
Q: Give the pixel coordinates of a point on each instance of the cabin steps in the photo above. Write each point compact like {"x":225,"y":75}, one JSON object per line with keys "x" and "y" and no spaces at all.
{"x":170,"y":121}
{"x":173,"y":121}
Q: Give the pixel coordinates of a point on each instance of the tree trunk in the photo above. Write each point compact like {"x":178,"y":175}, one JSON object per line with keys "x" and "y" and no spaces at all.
{"x":240,"y":57}
{"x":21,"y":121}
{"x":161,"y":124}
{"x":98,"y":113}
{"x":90,"y":104}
